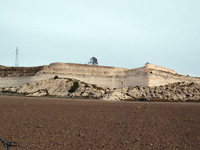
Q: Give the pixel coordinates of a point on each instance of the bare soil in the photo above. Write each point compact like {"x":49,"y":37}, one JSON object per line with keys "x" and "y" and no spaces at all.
{"x":58,"y":123}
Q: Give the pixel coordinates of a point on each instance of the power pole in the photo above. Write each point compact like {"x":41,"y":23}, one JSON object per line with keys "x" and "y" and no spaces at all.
{"x":121,"y":102}
{"x":16,"y":58}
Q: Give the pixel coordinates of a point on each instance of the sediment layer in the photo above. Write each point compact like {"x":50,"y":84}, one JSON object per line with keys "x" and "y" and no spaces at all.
{"x":106,"y":77}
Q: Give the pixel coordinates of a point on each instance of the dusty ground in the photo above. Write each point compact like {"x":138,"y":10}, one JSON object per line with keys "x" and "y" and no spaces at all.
{"x":51,"y":123}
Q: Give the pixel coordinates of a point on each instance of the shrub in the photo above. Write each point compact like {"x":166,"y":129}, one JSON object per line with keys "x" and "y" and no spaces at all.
{"x":142,"y":99}
{"x":99,"y":88}
{"x":94,"y":86}
{"x":73,"y":87}
{"x":56,"y":77}
{"x":86,"y":85}
{"x":191,"y":83}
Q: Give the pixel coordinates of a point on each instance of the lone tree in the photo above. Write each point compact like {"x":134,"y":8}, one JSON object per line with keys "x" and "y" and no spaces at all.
{"x":93,"y":61}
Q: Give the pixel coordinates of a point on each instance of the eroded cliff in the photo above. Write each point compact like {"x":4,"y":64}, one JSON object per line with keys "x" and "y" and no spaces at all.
{"x":106,"y":77}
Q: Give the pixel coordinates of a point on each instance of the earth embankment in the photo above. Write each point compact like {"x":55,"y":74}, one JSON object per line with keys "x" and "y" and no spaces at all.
{"x":19,"y":71}
{"x":72,"y":88}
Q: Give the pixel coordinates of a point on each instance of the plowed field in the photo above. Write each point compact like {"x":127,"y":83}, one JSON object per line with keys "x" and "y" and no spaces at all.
{"x":67,"y":124}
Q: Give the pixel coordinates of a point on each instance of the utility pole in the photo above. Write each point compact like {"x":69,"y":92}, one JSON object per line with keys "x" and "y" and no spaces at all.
{"x":16,"y":58}
{"x":121,"y":102}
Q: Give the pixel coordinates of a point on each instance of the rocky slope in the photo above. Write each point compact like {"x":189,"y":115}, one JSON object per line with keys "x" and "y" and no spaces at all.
{"x":180,"y":91}
{"x":64,"y":87}
{"x":61,"y":87}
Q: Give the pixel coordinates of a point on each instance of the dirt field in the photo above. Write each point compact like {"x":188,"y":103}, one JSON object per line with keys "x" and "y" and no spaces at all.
{"x":52,"y":123}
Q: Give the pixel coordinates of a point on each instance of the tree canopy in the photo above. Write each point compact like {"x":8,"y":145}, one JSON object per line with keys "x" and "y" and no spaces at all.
{"x":93,"y":61}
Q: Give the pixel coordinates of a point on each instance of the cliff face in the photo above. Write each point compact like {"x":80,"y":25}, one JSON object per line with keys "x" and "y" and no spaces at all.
{"x":161,"y":76}
{"x":102,"y":76}
{"x":111,"y":77}
{"x":67,"y":68}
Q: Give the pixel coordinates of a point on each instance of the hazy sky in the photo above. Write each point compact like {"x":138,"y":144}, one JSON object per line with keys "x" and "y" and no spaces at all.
{"x":120,"y":33}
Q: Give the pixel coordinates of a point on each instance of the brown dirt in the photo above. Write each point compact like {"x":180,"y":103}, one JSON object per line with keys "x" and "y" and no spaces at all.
{"x":52,"y":123}
{"x":19,"y":71}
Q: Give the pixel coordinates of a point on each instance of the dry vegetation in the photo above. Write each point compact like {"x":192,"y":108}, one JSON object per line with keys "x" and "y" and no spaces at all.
{"x":19,"y":71}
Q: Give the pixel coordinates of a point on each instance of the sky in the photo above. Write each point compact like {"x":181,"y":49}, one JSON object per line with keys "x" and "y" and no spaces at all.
{"x":119,"y":33}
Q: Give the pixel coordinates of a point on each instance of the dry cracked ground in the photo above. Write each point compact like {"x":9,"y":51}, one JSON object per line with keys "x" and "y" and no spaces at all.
{"x":60,"y":123}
